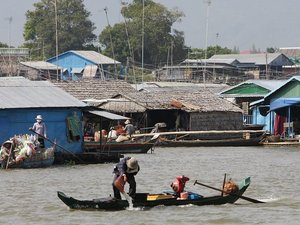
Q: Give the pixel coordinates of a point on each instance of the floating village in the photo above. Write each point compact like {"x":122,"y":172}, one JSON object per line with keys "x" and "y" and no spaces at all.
{"x":85,"y":114}
{"x":86,"y":110}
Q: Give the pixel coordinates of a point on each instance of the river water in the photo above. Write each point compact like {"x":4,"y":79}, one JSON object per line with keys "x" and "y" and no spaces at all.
{"x":30,"y":196}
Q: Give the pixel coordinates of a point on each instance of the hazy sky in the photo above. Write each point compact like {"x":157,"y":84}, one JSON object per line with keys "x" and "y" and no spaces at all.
{"x":240,"y":23}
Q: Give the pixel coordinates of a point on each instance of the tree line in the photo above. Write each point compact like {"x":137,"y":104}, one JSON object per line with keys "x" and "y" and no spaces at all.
{"x":145,"y":36}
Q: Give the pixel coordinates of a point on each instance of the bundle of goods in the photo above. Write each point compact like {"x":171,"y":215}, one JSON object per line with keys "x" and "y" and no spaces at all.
{"x":230,"y":187}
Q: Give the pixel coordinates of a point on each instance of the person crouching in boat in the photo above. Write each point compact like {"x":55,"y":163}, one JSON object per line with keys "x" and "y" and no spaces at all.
{"x":179,"y":184}
{"x":124,"y":172}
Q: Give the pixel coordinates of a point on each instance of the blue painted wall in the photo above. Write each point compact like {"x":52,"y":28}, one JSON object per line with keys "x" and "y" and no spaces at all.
{"x":267,"y":121}
{"x":69,"y":60}
{"x":18,"y":121}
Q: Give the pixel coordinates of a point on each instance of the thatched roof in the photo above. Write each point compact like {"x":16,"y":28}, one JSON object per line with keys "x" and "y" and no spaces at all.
{"x":215,"y":88}
{"x":122,"y":105}
{"x":171,"y":98}
{"x":129,"y":100}
{"x":94,"y":88}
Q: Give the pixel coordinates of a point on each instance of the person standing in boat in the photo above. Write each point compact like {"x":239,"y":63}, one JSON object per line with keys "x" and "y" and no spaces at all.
{"x":129,"y":128}
{"x":126,"y":169}
{"x":39,"y":127}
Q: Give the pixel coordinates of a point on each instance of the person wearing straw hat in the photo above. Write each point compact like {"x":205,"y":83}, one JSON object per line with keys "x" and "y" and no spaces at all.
{"x":127,"y":168}
{"x":39,"y":127}
{"x":129,"y":128}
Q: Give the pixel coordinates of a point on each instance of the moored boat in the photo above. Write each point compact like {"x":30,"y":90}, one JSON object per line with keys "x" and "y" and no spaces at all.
{"x":211,"y":138}
{"x":19,"y":152}
{"x":145,"y":200}
{"x":133,"y":145}
{"x":221,"y":142}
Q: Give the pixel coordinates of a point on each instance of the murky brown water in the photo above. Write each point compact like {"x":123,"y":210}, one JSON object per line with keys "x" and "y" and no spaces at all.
{"x":29,"y":196}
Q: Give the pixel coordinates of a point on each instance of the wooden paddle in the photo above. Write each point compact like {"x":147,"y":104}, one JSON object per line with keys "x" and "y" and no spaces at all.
{"x":233,"y":194}
{"x":9,"y":156}
{"x":57,"y":145}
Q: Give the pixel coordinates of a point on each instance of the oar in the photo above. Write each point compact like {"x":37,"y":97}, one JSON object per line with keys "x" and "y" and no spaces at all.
{"x":9,"y":155}
{"x":57,"y":145}
{"x":224,"y":181}
{"x":233,"y":194}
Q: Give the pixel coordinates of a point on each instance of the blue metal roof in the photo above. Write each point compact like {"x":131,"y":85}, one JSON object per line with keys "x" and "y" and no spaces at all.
{"x":18,"y":92}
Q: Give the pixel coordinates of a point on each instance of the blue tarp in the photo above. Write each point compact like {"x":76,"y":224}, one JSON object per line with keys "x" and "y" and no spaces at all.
{"x":283,"y":102}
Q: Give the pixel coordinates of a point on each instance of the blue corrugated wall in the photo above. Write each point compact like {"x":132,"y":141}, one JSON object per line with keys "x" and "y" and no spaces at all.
{"x":18,"y":121}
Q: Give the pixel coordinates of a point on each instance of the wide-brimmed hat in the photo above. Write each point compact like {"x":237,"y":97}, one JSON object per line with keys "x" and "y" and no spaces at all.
{"x":127,"y":122}
{"x":132,"y":165}
{"x":39,"y":117}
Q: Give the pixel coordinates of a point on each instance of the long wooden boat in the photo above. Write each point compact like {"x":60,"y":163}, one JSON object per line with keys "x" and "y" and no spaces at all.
{"x":212,"y":138}
{"x":218,"y":142}
{"x":135,"y":145}
{"x":152,"y":200}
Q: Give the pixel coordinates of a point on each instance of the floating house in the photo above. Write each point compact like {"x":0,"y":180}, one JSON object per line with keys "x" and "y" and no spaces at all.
{"x":39,"y":70}
{"x":228,"y":68}
{"x":22,"y":100}
{"x":85,"y":64}
{"x":250,"y":91}
{"x":64,"y":115}
{"x":284,"y":105}
{"x":179,"y":108}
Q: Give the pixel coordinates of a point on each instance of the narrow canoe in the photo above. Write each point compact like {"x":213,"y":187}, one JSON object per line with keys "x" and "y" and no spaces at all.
{"x":110,"y":203}
{"x":223,"y":142}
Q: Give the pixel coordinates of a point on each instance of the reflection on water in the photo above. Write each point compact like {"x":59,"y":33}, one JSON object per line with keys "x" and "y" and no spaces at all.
{"x":29,"y":196}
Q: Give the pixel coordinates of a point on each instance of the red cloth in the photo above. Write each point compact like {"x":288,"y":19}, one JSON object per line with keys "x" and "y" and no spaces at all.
{"x":179,"y":184}
{"x":278,"y":125}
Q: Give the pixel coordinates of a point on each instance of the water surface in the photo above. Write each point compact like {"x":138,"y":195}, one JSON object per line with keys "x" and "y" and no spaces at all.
{"x":29,"y":196}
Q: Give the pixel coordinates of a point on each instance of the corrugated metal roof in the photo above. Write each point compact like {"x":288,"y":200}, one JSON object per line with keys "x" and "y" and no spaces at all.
{"x":109,"y":115}
{"x":18,"y":92}
{"x":294,"y":78}
{"x":267,"y":84}
{"x":96,"y":57}
{"x":258,"y":59}
{"x":211,"y":60}
{"x":41,"y":65}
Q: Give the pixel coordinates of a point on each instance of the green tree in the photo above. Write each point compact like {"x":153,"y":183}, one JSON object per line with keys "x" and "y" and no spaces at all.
{"x":161,"y":43}
{"x":3,"y":45}
{"x":74,"y":28}
{"x":272,"y":49}
{"x":197,"y":53}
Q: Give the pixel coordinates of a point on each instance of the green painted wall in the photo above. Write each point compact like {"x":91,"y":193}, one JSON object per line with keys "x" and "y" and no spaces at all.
{"x":291,"y":90}
{"x":248,"y":89}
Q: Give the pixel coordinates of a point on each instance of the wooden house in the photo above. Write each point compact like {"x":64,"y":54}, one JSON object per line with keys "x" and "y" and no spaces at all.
{"x":231,"y":69}
{"x":39,"y":70}
{"x":10,"y":58}
{"x":250,"y":91}
{"x":267,"y":65}
{"x":85,"y":64}
{"x":22,"y":100}
{"x":178,"y":108}
{"x":284,"y":103}
{"x":181,"y":108}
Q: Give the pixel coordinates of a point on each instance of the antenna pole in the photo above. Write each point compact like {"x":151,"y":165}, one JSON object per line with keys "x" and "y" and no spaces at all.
{"x":56,"y":37}
{"x":111,"y":42}
{"x":143,"y":34}
{"x":206,"y":39}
